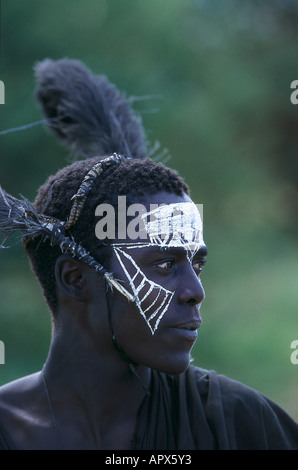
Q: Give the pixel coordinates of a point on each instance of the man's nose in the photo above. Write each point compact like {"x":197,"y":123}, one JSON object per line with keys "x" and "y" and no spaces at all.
{"x":191,"y":290}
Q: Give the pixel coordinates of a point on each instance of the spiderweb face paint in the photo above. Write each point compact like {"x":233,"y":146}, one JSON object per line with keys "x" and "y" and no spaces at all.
{"x":166,"y":226}
{"x":151,"y":298}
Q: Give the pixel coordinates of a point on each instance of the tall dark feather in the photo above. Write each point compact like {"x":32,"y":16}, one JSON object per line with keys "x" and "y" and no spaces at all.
{"x":95,"y":118}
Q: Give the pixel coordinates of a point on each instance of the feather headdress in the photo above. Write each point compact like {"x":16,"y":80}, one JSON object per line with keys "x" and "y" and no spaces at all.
{"x":91,"y":117}
{"x":19,"y":215}
{"x":95,"y":118}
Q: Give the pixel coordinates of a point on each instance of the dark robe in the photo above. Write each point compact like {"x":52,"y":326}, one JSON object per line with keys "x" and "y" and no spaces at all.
{"x":203,"y":410}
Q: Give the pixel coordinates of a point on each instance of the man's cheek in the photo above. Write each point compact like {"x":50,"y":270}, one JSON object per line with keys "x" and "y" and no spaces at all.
{"x":151,"y":299}
{"x":153,"y":302}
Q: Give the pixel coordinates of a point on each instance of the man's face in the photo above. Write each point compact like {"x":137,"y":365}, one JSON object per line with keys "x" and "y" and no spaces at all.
{"x":163,"y":274}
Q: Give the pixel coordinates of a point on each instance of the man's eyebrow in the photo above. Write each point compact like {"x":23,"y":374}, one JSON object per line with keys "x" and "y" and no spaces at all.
{"x":175,"y":249}
{"x":202,"y":251}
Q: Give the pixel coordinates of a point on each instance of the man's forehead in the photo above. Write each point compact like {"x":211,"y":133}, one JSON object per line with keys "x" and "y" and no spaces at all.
{"x":176,"y":224}
{"x":187,"y":209}
{"x":167,"y":226}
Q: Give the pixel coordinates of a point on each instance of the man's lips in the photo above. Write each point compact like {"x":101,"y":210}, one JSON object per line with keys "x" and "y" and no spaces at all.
{"x":188,"y":329}
{"x":188,"y":325}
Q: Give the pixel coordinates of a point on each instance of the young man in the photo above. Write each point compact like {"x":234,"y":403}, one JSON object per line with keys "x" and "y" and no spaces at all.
{"x":125,"y":306}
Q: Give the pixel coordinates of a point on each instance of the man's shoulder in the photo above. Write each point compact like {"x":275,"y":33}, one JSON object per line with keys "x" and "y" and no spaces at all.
{"x":19,"y":401}
{"x":250,"y":419}
{"x":236,"y":399}
{"x":20,"y":387}
{"x":233,"y":397}
{"x":17,"y":396}
{"x":229,"y":389}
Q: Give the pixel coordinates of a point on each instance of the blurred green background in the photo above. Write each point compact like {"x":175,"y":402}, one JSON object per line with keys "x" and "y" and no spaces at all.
{"x":219,"y":76}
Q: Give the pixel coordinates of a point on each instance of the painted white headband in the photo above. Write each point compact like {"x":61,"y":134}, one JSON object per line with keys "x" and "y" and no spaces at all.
{"x":171,"y":225}
{"x":177,"y":224}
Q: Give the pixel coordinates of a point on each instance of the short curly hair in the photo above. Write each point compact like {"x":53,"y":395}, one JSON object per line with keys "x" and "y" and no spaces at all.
{"x":134,"y":178}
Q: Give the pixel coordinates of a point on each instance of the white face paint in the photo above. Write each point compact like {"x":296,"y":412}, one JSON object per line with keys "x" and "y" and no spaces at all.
{"x":176,"y":225}
{"x":143,"y":289}
{"x":172,"y":225}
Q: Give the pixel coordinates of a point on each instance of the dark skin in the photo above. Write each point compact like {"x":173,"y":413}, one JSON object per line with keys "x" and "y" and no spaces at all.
{"x":84,"y":371}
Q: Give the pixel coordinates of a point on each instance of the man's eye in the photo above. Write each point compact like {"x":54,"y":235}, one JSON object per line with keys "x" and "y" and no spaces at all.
{"x":198,"y":265}
{"x":165,"y":264}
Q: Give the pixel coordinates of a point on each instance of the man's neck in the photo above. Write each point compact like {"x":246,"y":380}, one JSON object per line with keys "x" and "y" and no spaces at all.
{"x":94,"y":380}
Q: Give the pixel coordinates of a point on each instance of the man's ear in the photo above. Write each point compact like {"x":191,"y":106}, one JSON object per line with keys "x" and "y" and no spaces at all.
{"x":71,"y":277}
